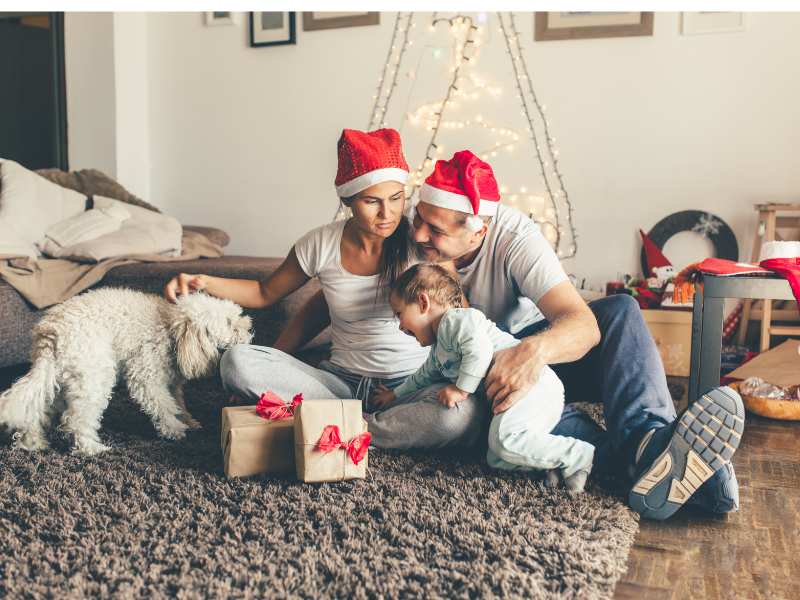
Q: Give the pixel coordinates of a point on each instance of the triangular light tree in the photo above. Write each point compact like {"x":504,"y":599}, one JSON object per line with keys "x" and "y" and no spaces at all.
{"x":459,"y":107}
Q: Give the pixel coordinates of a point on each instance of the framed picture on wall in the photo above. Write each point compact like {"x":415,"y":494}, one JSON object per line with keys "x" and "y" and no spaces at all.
{"x":586,"y":25}
{"x":272,"y":28}
{"x":694,"y":23}
{"x":313,"y":21}
{"x":221,"y":18}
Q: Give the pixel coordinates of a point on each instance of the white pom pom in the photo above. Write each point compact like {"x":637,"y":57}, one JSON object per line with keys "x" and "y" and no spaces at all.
{"x":474,"y":223}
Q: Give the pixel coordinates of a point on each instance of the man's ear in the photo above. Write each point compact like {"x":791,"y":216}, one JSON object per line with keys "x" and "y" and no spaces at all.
{"x":478,"y":235}
{"x":424,"y":302}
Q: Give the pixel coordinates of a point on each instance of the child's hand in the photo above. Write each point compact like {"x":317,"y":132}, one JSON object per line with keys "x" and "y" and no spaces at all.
{"x":451,"y":396}
{"x":382,"y":396}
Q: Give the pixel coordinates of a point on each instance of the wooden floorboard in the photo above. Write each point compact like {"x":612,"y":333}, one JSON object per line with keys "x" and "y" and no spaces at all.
{"x":752,"y":554}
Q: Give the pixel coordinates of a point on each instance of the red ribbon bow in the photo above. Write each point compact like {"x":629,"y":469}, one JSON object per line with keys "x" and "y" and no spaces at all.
{"x":273,"y":407}
{"x":356,"y":448}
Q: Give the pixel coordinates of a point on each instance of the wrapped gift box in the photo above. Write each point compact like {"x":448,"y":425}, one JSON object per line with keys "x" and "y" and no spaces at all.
{"x":331,"y":440}
{"x":252,"y":445}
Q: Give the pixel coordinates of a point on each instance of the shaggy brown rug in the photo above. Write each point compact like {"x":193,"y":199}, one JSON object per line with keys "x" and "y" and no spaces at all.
{"x":152,"y":518}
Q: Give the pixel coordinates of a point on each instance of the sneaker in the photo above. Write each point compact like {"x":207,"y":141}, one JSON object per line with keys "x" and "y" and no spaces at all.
{"x":673,"y":462}
{"x":720,"y":494}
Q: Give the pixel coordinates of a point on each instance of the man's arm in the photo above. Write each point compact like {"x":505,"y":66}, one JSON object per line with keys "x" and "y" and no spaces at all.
{"x":572,"y":333}
{"x":309,"y":322}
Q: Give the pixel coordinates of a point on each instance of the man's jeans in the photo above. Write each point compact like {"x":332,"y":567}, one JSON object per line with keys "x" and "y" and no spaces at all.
{"x":625,"y":373}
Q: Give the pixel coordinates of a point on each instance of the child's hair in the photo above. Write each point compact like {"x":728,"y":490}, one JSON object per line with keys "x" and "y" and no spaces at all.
{"x":441,"y":285}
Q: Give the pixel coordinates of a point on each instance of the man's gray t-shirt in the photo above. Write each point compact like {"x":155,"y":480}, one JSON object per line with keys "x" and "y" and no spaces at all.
{"x":514,"y":268}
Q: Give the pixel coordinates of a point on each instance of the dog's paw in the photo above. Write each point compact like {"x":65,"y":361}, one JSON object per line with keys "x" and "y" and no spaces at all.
{"x":191,"y":422}
{"x":31,"y":442}
{"x":89,"y":447}
{"x":174,"y":430}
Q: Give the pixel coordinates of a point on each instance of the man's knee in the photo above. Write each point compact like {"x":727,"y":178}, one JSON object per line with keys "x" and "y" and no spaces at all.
{"x":619,"y":308}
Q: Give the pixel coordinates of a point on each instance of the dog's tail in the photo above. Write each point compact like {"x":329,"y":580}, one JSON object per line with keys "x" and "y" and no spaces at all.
{"x":24,"y":406}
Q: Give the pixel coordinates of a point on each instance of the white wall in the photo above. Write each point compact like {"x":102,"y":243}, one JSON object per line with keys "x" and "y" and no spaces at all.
{"x":244,"y":138}
{"x":132,"y":98}
{"x":107,"y":96}
{"x":91,"y":97}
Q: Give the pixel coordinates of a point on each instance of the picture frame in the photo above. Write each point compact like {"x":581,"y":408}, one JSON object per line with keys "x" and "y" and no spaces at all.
{"x":217,"y":18}
{"x":315,"y":21}
{"x":550,"y":26}
{"x":272,"y":29}
{"x":698,"y":23}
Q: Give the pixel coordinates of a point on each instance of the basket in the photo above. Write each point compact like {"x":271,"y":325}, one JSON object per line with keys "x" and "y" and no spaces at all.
{"x":785,"y":410}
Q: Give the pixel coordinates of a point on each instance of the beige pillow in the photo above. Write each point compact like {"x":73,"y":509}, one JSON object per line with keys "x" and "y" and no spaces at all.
{"x":29,"y":205}
{"x":86,"y":226}
{"x":145,"y":232}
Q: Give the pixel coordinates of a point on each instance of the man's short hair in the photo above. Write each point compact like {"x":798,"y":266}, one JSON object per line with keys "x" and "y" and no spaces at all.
{"x":462,"y":217}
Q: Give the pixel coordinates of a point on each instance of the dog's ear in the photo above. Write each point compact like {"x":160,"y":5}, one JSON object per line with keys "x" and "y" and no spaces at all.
{"x":197,"y":355}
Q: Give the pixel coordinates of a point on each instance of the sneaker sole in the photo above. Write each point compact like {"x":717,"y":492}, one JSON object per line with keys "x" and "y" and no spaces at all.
{"x":705,"y":438}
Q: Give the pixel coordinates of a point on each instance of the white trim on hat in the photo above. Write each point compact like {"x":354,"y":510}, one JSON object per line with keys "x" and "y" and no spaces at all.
{"x":779,"y":249}
{"x":362,"y":182}
{"x":444,"y":199}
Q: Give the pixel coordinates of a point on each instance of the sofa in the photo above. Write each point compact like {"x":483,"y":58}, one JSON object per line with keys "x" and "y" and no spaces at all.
{"x":17,"y":316}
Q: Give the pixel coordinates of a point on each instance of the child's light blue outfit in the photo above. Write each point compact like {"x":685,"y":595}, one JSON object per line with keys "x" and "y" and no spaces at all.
{"x":519,"y":438}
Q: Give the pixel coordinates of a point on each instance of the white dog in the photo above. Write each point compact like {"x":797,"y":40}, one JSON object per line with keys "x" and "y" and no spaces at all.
{"x":83,"y":345}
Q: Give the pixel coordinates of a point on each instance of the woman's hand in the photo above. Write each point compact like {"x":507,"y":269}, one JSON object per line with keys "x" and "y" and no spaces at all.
{"x":451,"y":396}
{"x":183,"y":284}
{"x":382,"y":396}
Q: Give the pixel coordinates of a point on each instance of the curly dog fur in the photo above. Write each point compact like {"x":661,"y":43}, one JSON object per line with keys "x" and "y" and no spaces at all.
{"x":82,"y":346}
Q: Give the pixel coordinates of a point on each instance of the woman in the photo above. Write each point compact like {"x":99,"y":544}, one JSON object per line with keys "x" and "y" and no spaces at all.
{"x":356,"y":261}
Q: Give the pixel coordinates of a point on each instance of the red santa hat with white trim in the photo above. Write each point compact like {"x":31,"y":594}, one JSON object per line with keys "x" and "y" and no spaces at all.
{"x":464,"y":183}
{"x":367,"y":158}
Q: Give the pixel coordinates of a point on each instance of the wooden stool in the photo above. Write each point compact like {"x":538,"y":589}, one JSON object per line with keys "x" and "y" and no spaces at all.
{"x":769,"y":222}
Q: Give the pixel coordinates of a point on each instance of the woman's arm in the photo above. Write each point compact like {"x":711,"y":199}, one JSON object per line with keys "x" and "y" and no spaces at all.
{"x":309,"y":321}
{"x":248,"y":293}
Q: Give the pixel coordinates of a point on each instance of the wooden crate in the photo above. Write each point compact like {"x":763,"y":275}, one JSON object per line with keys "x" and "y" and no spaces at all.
{"x":672,"y":332}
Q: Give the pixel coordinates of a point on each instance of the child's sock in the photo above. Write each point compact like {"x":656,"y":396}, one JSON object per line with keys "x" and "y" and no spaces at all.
{"x":576,"y":482}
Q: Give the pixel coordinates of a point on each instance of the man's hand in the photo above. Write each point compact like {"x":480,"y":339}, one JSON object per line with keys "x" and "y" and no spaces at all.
{"x":514,"y":371}
{"x":451,"y":396}
{"x":183,"y":284}
{"x":382,"y":396}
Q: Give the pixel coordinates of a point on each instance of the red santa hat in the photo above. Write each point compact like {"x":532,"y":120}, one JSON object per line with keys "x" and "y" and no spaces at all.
{"x":367,"y":158}
{"x":655,"y":258}
{"x":464,"y":183}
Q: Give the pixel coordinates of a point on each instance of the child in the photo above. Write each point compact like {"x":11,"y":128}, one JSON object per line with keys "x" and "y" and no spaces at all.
{"x":431,"y":306}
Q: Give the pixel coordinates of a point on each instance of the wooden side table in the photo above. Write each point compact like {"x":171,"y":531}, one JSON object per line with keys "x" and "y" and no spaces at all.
{"x":707,"y":321}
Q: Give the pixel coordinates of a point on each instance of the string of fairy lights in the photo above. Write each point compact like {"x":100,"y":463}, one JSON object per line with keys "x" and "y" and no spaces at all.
{"x":465,"y":87}
{"x":402,"y":27}
{"x":558,"y":192}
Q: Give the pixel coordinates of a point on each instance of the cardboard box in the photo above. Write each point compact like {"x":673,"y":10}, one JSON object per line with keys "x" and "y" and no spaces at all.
{"x":779,"y":366}
{"x":252,"y":445}
{"x":672,"y":332}
{"x":343,"y":418}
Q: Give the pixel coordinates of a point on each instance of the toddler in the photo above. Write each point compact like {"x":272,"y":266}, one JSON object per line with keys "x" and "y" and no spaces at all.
{"x":431,"y":306}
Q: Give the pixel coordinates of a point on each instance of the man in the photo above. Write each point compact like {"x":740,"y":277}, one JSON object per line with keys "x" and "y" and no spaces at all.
{"x":602,"y":352}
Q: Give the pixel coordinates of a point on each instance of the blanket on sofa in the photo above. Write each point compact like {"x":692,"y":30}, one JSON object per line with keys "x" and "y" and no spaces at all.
{"x":48,"y":281}
{"x":27,"y":198}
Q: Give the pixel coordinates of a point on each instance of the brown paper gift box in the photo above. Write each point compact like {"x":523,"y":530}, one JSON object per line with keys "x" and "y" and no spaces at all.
{"x":310,"y":419}
{"x":252,"y":445}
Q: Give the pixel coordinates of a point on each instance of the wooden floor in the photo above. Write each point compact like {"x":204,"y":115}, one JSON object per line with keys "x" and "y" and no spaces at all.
{"x":751,"y":554}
